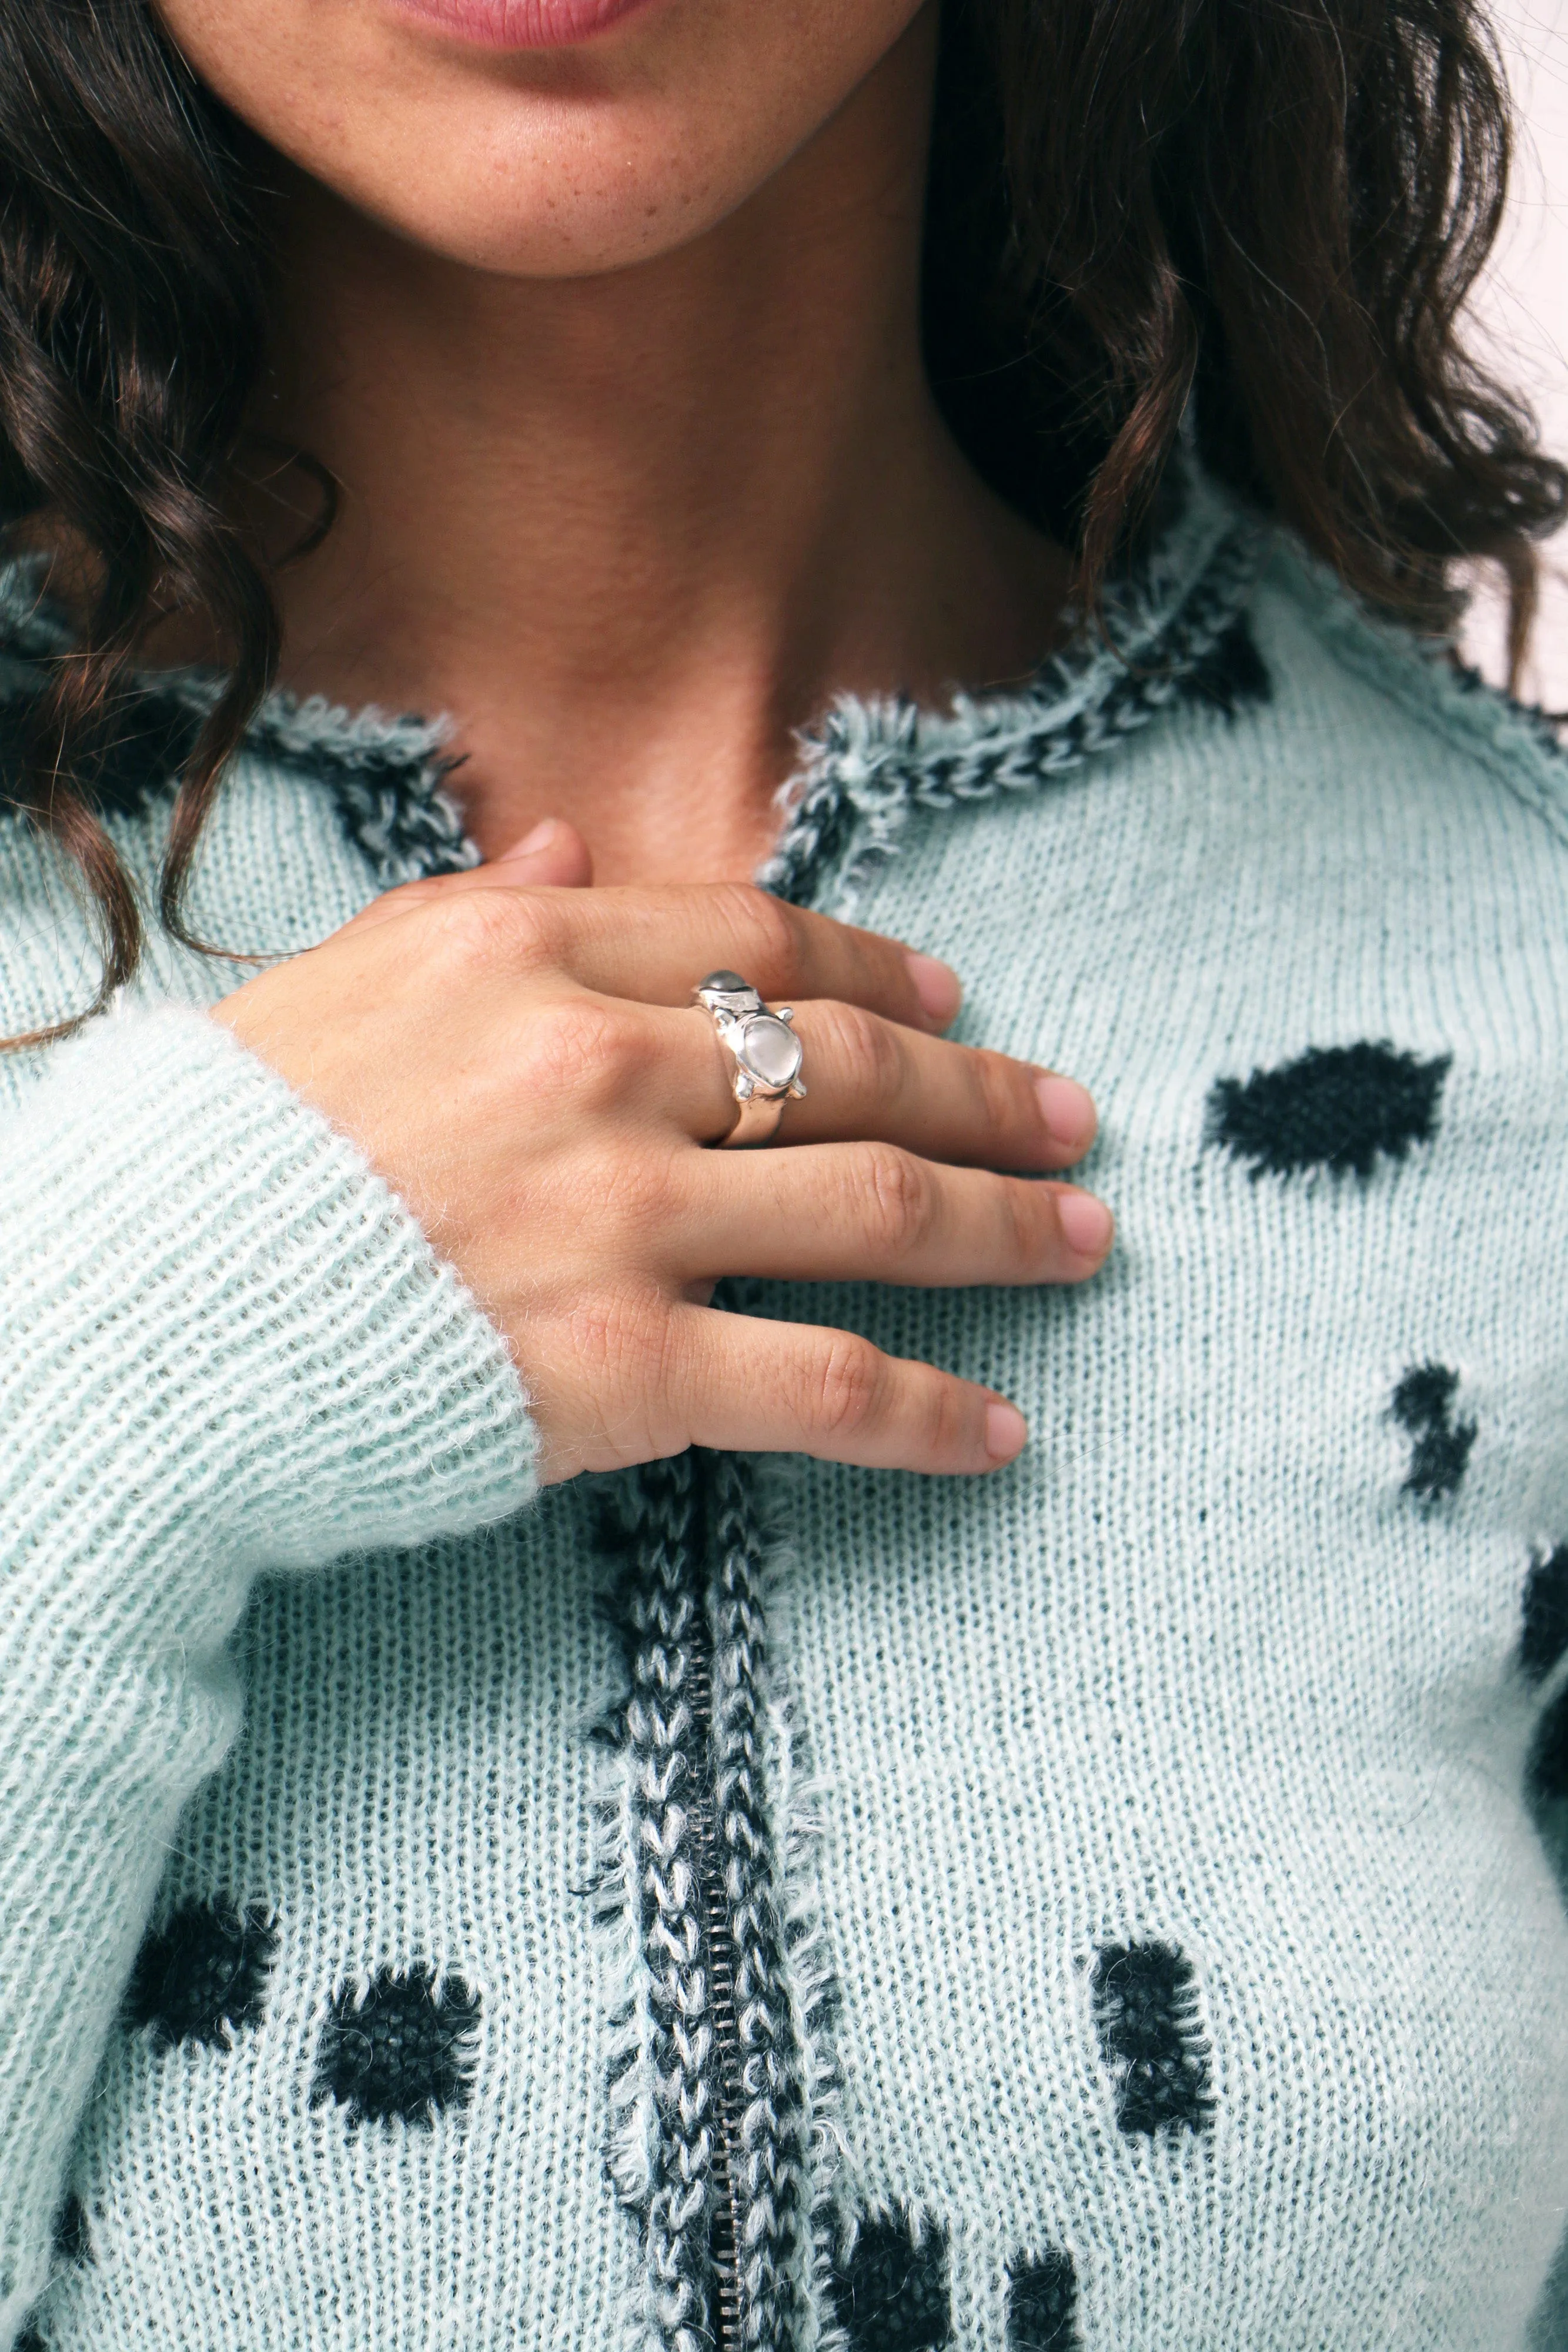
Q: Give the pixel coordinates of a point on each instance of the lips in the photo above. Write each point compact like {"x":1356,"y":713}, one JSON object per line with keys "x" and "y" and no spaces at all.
{"x":520,"y":24}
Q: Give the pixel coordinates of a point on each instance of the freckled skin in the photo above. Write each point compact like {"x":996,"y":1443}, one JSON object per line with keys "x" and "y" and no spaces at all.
{"x":613,"y":352}
{"x":541,"y":164}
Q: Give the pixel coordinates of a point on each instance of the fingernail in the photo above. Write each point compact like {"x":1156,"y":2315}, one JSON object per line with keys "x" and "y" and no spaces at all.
{"x":1068,"y":1111}
{"x":1006,"y":1432}
{"x":1087,"y":1223}
{"x":540,"y":839}
{"x":937,"y":986}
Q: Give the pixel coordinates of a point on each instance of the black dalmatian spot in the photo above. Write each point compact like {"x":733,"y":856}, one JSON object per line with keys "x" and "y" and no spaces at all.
{"x":403,"y":2051}
{"x":1544,"y":1628}
{"x":72,"y":2243}
{"x":1546,"y":1775}
{"x":1042,"y":2304}
{"x":894,"y":2296}
{"x":1423,"y":1405}
{"x":203,"y":1974}
{"x":1232,"y":675}
{"x":1334,"y":1107}
{"x":1145,"y":2011}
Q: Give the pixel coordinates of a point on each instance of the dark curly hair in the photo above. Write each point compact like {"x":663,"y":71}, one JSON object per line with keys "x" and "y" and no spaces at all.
{"x":1270,"y":211}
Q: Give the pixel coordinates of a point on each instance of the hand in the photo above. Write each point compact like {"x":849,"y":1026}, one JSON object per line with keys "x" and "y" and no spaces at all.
{"x":521,"y":1060}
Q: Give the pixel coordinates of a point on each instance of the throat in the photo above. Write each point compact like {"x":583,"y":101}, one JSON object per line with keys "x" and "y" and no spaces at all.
{"x":669,"y":749}
{"x":660,"y":805}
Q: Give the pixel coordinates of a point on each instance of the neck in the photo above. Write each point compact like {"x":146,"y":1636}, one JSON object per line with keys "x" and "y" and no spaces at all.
{"x":632,"y":531}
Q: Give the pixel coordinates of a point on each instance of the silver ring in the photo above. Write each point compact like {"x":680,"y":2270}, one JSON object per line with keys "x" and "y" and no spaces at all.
{"x":768,"y":1056}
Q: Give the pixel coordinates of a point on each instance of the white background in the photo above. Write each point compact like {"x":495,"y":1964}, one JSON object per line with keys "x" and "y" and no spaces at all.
{"x":1522,"y":322}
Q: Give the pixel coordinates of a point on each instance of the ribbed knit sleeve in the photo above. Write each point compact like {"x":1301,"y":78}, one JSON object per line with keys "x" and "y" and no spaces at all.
{"x":225,"y":1346}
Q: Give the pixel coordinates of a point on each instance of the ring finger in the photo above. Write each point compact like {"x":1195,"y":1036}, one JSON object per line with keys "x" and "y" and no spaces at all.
{"x":873,"y":1081}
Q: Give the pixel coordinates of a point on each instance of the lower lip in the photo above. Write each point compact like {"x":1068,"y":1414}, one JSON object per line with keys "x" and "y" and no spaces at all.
{"x":521,"y":24}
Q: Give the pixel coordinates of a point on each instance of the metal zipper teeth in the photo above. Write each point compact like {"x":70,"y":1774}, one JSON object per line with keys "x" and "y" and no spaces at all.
{"x":720,"y":1945}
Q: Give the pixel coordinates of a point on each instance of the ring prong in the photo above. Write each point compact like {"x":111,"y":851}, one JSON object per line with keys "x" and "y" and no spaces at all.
{"x":797,"y":1086}
{"x":786,"y":1013}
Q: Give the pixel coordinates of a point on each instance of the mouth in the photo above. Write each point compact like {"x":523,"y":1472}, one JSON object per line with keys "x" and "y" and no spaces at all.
{"x":520,"y":24}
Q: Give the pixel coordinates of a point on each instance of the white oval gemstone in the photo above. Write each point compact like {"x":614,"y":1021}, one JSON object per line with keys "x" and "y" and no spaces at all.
{"x":771,"y":1050}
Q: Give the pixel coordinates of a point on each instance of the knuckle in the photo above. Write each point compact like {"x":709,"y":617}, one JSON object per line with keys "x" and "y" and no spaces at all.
{"x":864,"y":1054}
{"x":406,"y":896}
{"x":948,"y":1412}
{"x":766,"y":931}
{"x":617,"y":1340}
{"x":585,"y":1045}
{"x":849,"y":1387}
{"x":490,"y":929}
{"x":898,"y":1201}
{"x":1028,"y":1214}
{"x":622,"y":1383}
{"x":646,"y":1203}
{"x":998,"y":1087}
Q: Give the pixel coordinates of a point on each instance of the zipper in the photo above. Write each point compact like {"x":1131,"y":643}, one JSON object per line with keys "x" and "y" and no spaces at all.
{"x":684,"y":1609}
{"x":719,"y":1943}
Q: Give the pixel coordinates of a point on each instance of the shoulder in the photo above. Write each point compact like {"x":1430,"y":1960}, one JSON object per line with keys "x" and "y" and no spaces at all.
{"x":320,"y":810}
{"x":1231,"y":705}
{"x":1360,"y":703}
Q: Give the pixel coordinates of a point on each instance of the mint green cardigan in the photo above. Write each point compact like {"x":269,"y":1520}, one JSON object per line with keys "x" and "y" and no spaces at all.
{"x":765,"y":1903}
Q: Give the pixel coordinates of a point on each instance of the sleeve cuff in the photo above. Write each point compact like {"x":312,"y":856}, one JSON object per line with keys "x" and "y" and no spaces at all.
{"x":219,"y":1318}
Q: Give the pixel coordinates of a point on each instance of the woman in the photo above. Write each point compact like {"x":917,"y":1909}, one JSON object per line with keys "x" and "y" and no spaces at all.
{"x":761,"y":1895}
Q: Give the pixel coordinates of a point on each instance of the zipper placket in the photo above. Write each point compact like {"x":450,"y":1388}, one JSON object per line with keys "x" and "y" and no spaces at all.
{"x":718,"y":1944}
{"x":725,"y":2191}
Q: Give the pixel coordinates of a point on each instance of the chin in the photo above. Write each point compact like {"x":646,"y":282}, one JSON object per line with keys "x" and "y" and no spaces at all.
{"x":589,"y":200}
{"x":543,"y":138}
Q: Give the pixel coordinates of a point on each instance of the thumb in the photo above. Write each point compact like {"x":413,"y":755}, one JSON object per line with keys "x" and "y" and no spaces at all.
{"x":553,"y":852}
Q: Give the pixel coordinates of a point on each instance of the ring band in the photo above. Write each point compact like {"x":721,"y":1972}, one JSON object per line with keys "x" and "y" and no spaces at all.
{"x":768,"y":1056}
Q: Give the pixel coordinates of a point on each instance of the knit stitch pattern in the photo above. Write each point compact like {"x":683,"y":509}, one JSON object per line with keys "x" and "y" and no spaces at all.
{"x":1098,"y":1908}
{"x":254,"y":1360}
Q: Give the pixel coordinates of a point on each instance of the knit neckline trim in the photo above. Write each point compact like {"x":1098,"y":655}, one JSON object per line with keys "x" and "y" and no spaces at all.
{"x":866,"y":767}
{"x":871,"y":764}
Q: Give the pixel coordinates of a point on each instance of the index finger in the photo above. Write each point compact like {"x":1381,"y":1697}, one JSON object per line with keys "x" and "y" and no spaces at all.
{"x":657,"y":945}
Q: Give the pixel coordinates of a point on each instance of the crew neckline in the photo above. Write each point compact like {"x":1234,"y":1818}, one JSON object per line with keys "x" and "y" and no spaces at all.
{"x":866,"y":765}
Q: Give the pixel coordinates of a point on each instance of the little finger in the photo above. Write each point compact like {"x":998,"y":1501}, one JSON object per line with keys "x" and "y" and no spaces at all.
{"x":752,"y":1386}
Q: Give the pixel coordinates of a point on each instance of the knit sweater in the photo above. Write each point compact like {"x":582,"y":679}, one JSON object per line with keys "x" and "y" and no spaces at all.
{"x":1102,"y":1906}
